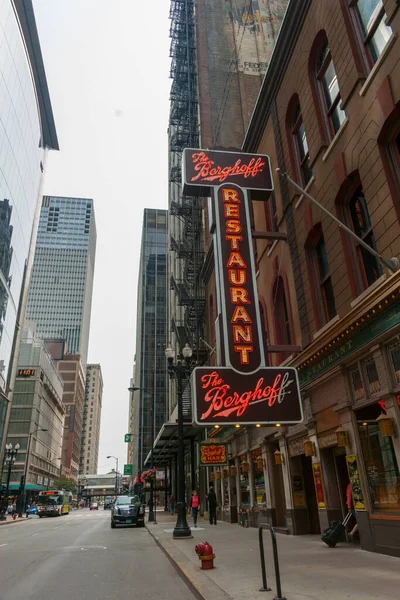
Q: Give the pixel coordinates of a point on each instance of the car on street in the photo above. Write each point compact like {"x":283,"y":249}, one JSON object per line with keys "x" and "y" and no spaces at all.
{"x":108,"y":503}
{"x":127,"y":510}
{"x":94,"y":506}
{"x":32,"y":510}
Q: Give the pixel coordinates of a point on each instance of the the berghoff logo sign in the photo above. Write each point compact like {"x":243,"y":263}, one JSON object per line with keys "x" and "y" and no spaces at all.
{"x":242,"y":390}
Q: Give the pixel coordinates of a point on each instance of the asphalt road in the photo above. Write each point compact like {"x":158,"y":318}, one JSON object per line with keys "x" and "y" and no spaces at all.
{"x":79,"y":556}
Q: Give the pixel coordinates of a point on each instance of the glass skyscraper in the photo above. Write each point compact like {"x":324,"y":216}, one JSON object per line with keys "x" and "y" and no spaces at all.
{"x":60,"y":292}
{"x":27,"y":131}
{"x":151,"y":337}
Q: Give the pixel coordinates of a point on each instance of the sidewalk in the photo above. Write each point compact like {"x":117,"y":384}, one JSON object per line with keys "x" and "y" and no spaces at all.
{"x":10,"y":520}
{"x":309,"y":569}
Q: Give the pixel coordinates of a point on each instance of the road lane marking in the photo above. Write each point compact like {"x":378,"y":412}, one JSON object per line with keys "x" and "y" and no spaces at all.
{"x":35,"y":534}
{"x":1,"y":545}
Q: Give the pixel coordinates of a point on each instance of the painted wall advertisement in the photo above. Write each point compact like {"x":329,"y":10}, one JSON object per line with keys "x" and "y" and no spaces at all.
{"x":319,"y":488}
{"x":354,"y":476}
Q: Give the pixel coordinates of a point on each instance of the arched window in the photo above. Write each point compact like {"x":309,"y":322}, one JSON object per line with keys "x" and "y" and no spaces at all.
{"x":319,"y":277}
{"x":358,"y":219}
{"x":326,"y":87}
{"x":298,"y":142}
{"x":367,"y":20}
{"x":282,"y":317}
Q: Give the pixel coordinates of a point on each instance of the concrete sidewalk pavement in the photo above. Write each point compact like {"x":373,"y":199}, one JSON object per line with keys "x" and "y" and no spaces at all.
{"x":309,"y":569}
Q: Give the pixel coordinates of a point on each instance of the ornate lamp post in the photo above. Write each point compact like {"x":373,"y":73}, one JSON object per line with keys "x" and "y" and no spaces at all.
{"x":180,"y":371}
{"x":9,"y":459}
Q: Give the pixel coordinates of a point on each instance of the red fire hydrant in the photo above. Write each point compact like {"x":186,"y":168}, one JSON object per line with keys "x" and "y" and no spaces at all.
{"x":206,"y":555}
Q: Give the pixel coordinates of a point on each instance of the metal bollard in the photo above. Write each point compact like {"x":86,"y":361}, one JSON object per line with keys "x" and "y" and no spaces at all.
{"x":265,"y":587}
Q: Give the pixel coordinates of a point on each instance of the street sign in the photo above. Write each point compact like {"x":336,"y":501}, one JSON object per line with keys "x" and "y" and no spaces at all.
{"x":127,"y":469}
{"x":128,"y":437}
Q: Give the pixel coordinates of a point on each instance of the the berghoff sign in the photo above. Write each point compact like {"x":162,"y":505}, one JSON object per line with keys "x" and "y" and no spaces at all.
{"x":243,"y":390}
{"x":223,"y":397}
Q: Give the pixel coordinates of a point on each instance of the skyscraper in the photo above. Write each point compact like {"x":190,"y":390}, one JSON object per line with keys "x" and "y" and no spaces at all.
{"x":91,"y":420}
{"x":27,"y":132}
{"x":151,"y":336}
{"x":60,"y":292}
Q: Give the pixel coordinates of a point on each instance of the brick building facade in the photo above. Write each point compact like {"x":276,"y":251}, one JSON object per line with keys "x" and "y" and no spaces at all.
{"x":328,"y":114}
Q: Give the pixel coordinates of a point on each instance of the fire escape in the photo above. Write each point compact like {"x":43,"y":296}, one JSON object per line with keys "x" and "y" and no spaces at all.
{"x":184,"y":133}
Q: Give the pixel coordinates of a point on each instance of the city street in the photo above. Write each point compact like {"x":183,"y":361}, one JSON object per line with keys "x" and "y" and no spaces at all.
{"x":80,"y":556}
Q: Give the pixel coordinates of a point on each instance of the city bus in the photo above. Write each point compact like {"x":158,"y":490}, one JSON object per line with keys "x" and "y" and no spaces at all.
{"x":54,"y":503}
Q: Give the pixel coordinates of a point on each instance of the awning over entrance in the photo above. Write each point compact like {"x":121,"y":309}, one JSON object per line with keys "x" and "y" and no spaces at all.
{"x":166,"y":443}
{"x":29,"y":486}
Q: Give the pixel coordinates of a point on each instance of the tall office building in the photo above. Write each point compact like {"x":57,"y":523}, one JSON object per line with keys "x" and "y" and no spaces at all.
{"x":151,"y":336}
{"x":91,"y":420}
{"x":27,"y":132}
{"x":60,"y":292}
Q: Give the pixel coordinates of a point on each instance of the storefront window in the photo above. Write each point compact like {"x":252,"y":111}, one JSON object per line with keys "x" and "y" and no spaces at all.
{"x":245,"y":490}
{"x":357,"y":384}
{"x":372,"y":376}
{"x":380,"y":461}
{"x":394,"y":352}
{"x":258,"y":472}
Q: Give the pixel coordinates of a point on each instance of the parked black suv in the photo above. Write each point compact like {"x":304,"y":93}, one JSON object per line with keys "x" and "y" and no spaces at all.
{"x":127,"y":510}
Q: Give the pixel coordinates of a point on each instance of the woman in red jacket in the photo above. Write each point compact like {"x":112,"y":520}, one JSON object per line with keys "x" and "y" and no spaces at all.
{"x":195,"y":505}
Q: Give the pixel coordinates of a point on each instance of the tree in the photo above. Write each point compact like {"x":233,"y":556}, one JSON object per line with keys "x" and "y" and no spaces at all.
{"x":64,"y":483}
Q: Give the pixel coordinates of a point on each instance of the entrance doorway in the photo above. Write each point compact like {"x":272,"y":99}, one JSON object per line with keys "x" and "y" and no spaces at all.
{"x":311,"y":496}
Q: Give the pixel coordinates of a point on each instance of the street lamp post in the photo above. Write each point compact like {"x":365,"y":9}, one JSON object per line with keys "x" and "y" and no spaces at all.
{"x":180,"y":371}
{"x":9,"y":459}
{"x":22,"y":501}
{"x":116,"y":474}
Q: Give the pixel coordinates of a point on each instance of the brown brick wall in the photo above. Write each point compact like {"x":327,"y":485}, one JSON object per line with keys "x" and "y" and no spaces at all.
{"x":357,"y":148}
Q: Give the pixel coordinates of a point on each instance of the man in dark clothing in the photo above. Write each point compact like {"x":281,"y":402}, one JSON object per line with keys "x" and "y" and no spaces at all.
{"x":212,"y":505}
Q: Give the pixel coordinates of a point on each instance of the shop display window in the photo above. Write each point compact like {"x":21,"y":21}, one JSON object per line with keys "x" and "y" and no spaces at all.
{"x":380,"y":461}
{"x":372,"y":376}
{"x":245,"y":490}
{"x":357,"y":383}
{"x":394,"y":353}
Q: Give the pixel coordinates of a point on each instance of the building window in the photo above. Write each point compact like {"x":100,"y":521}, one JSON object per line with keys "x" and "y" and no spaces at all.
{"x":282,"y":318}
{"x":357,"y":384}
{"x":329,"y":92}
{"x":371,"y":373}
{"x":360,"y":222}
{"x":394,"y":353}
{"x":325,"y":288}
{"x":300,"y":147}
{"x":375,"y":34}
{"x":379,"y":460}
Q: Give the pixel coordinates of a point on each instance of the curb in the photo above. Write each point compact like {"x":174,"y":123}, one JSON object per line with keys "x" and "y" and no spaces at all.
{"x":216,"y":594}
{"x":13,"y":522}
{"x":177,"y":568}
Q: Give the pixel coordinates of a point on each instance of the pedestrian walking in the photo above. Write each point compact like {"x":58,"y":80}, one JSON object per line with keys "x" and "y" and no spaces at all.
{"x":10,"y":509}
{"x":172,"y":503}
{"x":212,"y":505}
{"x":27,"y":510}
{"x":350,"y":509}
{"x":195,"y":505}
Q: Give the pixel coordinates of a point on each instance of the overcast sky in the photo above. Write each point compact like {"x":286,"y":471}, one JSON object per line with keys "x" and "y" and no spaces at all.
{"x":107,"y":66}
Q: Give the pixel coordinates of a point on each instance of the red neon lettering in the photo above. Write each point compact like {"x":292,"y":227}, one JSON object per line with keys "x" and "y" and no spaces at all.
{"x":242,"y":334}
{"x":206,"y":171}
{"x":240,"y":314}
{"x":223,"y":402}
{"x":239,"y":295}
{"x":233,"y":226}
{"x":237,"y":277}
{"x":244,"y":353}
{"x":235,"y":259}
{"x":231,"y":196}
{"x":231,"y":210}
{"x":234,"y":240}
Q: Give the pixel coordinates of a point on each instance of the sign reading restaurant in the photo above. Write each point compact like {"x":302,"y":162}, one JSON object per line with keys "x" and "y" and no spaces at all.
{"x":243,"y":390}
